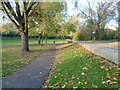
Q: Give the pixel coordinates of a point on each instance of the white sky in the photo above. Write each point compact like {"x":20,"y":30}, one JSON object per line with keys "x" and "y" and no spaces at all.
{"x":82,"y":3}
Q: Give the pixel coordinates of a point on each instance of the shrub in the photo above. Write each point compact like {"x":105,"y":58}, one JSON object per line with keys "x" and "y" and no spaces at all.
{"x":79,"y":36}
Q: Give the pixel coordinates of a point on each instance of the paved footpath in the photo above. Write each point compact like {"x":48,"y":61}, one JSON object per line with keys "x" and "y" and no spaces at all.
{"x":106,"y":49}
{"x":32,"y":75}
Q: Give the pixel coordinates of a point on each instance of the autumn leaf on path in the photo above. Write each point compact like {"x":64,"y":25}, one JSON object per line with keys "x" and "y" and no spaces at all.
{"x":41,"y":72}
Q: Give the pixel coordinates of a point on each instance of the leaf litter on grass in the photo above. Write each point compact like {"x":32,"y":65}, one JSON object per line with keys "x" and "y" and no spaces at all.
{"x":76,"y":68}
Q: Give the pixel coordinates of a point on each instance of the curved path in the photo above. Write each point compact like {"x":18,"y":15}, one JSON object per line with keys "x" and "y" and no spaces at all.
{"x":32,"y":75}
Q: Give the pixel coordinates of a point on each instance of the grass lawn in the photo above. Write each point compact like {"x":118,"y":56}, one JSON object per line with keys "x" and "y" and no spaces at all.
{"x":31,"y":40}
{"x":75,"y":67}
{"x":12,"y":56}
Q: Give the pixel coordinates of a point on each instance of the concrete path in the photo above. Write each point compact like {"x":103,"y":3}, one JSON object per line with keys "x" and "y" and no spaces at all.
{"x":98,"y":48}
{"x":32,"y":75}
{"x":110,"y":44}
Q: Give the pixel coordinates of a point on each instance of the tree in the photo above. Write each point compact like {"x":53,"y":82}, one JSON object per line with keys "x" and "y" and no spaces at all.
{"x":19,"y":16}
{"x":46,"y":19}
{"x":8,"y":29}
{"x":97,"y":18}
{"x":68,"y":28}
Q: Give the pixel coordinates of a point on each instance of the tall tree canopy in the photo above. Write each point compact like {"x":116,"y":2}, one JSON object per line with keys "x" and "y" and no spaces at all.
{"x":18,"y":13}
{"x":46,"y":19}
{"x":97,"y":17}
{"x":38,"y":15}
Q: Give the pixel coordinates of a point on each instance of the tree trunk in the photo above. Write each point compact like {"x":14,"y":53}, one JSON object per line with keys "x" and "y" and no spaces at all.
{"x":96,"y":35}
{"x":42,"y":41}
{"x":39,"y":39}
{"x":46,"y":40}
{"x":97,"y":32}
{"x":24,"y":38}
{"x":24,"y":35}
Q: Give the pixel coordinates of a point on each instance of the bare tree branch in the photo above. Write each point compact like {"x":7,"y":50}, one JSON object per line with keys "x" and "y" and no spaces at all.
{"x":33,"y":9}
{"x":5,"y":10}
{"x":30,"y":7}
{"x":18,"y":10}
{"x":11,"y":10}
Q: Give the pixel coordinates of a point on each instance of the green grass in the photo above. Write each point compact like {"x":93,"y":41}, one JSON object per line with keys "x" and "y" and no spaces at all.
{"x":12,"y":56}
{"x":31,"y":40}
{"x":75,"y":67}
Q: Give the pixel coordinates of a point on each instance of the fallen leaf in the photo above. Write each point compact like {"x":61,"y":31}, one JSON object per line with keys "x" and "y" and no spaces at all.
{"x":60,"y":62}
{"x":73,"y":76}
{"x":79,"y":82}
{"x":41,"y":72}
{"x":107,"y":77}
{"x":106,"y":69}
{"x":85,"y":68}
{"x":116,"y":73}
{"x":94,"y":86}
{"x":108,"y":74}
{"x":63,"y":86}
{"x":110,"y":67}
{"x":58,"y":69}
{"x":89,"y":78}
{"x":108,"y":81}
{"x":55,"y":76}
{"x":85,"y":82}
{"x":81,"y":55}
{"x":56,"y":84}
{"x":75,"y":87}
{"x":103,"y":82}
{"x":101,"y":66}
{"x":83,"y":73}
{"x":113,"y":82}
{"x":115,"y":78}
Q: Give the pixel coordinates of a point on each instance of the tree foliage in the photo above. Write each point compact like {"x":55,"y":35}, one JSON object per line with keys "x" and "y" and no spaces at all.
{"x":96,"y":18}
{"x":47,"y":18}
{"x":18,"y":13}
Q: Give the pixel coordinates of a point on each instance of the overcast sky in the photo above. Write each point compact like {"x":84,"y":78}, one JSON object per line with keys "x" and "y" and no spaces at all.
{"x":82,"y":3}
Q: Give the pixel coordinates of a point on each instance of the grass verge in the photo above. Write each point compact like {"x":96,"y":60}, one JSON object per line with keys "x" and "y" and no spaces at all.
{"x":75,"y":67}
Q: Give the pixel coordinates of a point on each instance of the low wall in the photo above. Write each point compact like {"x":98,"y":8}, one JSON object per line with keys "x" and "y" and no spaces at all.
{"x":108,"y":53}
